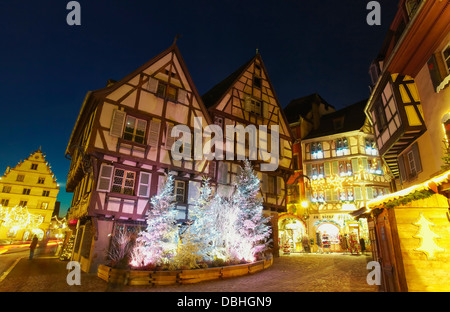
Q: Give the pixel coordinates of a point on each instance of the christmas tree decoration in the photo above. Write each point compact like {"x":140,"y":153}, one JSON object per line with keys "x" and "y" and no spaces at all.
{"x":157,"y":244}
{"x":252,"y":225}
{"x":202,"y":220}
{"x":428,"y":244}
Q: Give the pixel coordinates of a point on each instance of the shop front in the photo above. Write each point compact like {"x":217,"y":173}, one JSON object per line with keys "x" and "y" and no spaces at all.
{"x":292,"y":235}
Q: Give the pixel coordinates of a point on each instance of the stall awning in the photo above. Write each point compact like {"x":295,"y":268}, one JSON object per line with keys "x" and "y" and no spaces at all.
{"x":429,"y":185}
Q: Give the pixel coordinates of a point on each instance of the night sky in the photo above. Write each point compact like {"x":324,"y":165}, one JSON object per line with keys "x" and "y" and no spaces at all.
{"x":47,"y":66}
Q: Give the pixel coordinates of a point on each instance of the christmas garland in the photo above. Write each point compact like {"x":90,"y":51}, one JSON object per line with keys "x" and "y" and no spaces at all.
{"x":409,"y":198}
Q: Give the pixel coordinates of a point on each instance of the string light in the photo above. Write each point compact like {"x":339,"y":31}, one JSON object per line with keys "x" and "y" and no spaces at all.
{"x":19,"y":217}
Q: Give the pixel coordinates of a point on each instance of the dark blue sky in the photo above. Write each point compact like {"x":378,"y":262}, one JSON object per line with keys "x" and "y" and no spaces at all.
{"x":47,"y":66}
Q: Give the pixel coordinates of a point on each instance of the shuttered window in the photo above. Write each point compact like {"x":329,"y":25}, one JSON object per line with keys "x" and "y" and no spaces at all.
{"x":144,"y":184}
{"x":182,"y":96}
{"x":153,"y":136}
{"x":152,"y":85}
{"x":104,"y":180}
{"x":169,"y":139}
{"x":410,"y":164}
{"x":117,"y":123}
{"x":135,"y":129}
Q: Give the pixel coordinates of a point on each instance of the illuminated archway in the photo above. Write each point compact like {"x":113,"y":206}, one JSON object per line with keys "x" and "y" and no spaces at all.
{"x":329,"y":234}
{"x":291,"y":232}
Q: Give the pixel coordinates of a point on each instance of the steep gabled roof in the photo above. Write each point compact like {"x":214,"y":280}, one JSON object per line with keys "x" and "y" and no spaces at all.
{"x":213,"y":96}
{"x":302,"y":106}
{"x":92,"y":97}
{"x":347,"y":119}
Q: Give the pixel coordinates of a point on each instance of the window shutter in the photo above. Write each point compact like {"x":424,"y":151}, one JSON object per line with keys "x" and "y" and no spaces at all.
{"x":334,"y":195}
{"x":265,"y":107}
{"x":327,"y":169}
{"x":369,"y":192}
{"x":161,"y":182}
{"x":365,"y":164}
{"x":415,"y":150}
{"x":328,"y":195}
{"x":402,"y":169}
{"x":358,"y":193}
{"x":435,"y":74}
{"x":355,"y":165}
{"x":169,"y":139}
{"x":182,"y":96}
{"x":309,"y":171}
{"x":223,"y":173}
{"x":248,"y":104}
{"x":212,"y":169}
{"x":336,"y":168}
{"x":152,"y":85}
{"x":117,"y":123}
{"x":265,"y":183}
{"x":153,"y":136}
{"x":105,"y":177}
{"x":279,"y":182}
{"x":144,"y":184}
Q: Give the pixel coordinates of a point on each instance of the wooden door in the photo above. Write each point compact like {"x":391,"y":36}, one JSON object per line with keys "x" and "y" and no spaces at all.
{"x":386,"y":256}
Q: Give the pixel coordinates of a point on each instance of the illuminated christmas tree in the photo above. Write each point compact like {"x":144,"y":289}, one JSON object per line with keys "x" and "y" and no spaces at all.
{"x":157,"y":244}
{"x":427,"y":236}
{"x":252,"y":226}
{"x":203,"y":222}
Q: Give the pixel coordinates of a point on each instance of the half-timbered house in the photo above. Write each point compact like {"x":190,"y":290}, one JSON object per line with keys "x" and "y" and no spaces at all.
{"x":244,"y":98}
{"x":409,"y":109}
{"x":120,"y":152}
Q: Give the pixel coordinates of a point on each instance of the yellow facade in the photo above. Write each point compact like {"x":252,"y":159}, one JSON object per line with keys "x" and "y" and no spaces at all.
{"x":29,"y":187}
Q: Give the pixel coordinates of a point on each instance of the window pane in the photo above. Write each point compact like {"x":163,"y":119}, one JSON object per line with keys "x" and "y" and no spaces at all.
{"x":171,"y":93}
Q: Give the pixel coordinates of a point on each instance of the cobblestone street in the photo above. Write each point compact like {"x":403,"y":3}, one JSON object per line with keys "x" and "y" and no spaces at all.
{"x":294,"y":273}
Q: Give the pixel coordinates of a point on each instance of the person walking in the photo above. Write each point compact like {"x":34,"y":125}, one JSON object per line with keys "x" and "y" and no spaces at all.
{"x":33,"y":245}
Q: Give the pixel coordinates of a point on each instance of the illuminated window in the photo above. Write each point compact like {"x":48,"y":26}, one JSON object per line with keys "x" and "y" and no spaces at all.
{"x":44,"y":205}
{"x":316,"y":150}
{"x":135,"y":130}
{"x":317,"y":171}
{"x":342,"y":147}
{"x":123,"y":181}
{"x":446,"y":57}
{"x":180,"y":191}
{"x":345,"y":168}
{"x":371,"y":148}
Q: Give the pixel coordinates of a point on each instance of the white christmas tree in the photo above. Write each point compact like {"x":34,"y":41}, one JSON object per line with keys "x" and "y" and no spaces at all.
{"x":157,"y":244}
{"x":252,"y":226}
{"x":202,"y":219}
{"x":427,"y":236}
